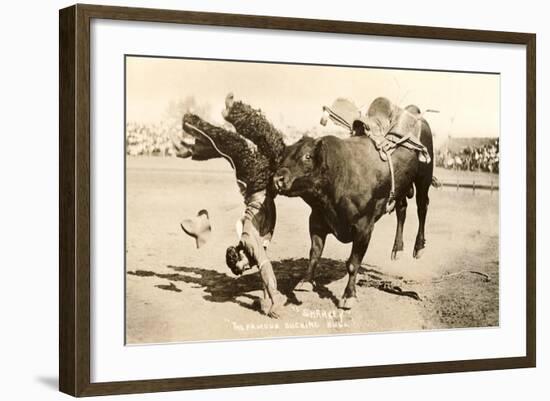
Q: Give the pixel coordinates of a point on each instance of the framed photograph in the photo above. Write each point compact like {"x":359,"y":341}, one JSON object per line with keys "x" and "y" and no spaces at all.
{"x":250,"y":200}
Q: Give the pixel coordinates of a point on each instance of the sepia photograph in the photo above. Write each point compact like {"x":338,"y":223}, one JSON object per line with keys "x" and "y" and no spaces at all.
{"x":271,"y":200}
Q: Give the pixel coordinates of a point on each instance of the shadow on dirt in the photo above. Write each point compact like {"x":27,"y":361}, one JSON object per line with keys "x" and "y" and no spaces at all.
{"x":168,"y":287}
{"x":221,"y":287}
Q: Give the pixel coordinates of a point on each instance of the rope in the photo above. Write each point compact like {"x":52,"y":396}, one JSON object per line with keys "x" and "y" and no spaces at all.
{"x":484,"y":275}
{"x":391,"y":198}
{"x":442,"y":278}
{"x":387,"y":286}
{"x":375,"y":281}
{"x":224,"y":155}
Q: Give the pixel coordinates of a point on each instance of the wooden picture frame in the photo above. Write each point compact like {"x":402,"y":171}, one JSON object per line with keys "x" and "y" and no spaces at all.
{"x":74,"y":199}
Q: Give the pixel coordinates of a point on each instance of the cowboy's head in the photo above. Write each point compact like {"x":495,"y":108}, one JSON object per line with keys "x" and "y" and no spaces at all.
{"x":236,"y":259}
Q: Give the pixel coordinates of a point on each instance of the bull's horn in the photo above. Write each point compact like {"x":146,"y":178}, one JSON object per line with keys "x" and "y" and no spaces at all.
{"x":229,"y":99}
{"x":324,"y":117}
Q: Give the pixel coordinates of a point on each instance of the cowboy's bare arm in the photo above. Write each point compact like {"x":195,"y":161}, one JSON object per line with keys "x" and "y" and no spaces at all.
{"x":254,"y":248}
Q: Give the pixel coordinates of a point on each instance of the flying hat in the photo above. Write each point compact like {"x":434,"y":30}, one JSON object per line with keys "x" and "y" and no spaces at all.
{"x":198,"y":227}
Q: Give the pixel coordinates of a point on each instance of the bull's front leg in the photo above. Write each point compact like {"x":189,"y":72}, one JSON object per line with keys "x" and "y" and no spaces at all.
{"x":360,"y":244}
{"x":318,"y":233}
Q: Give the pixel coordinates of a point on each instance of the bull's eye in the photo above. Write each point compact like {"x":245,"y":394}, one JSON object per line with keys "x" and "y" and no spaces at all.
{"x":307,"y":156}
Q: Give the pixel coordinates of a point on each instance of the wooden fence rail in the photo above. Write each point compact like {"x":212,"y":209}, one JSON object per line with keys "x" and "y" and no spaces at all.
{"x":470,"y":185}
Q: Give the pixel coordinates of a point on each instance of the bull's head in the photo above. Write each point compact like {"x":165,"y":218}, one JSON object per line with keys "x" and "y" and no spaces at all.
{"x":299,"y":169}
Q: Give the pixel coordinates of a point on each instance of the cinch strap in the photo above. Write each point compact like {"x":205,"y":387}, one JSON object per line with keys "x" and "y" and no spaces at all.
{"x":391,"y":199}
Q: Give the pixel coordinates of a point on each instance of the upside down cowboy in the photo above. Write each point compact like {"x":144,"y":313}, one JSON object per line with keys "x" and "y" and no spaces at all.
{"x":254,"y":170}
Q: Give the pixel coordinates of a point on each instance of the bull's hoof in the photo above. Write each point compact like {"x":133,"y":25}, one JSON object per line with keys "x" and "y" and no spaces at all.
{"x":347,"y":303}
{"x":419,"y":246}
{"x":396,"y":255}
{"x":304,"y":286}
{"x":417,"y":254}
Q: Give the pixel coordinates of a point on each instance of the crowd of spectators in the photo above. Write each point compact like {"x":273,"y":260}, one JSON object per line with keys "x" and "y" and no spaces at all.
{"x":150,"y":139}
{"x":156,"y":140}
{"x":470,"y":158}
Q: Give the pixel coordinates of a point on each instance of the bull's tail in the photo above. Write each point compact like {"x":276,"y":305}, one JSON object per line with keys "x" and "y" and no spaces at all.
{"x":435,"y":183}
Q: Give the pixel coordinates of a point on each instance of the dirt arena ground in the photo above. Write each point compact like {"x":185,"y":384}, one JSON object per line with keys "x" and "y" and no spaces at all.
{"x":178,"y":293}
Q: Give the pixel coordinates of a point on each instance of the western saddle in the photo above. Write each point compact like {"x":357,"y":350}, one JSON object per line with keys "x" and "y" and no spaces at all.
{"x":387,"y":125}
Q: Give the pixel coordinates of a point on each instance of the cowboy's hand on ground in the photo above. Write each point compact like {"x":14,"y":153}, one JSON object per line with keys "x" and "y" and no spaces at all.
{"x":277,"y":306}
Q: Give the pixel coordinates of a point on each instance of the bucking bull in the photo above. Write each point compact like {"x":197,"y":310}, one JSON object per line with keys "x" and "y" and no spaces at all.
{"x":347,"y":184}
{"x":350,"y":183}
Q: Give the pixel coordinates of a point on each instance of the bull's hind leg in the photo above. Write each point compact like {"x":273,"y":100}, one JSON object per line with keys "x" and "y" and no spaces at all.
{"x":318,"y":233}
{"x":401,"y":213}
{"x":422,"y":200}
{"x":360,"y":245}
